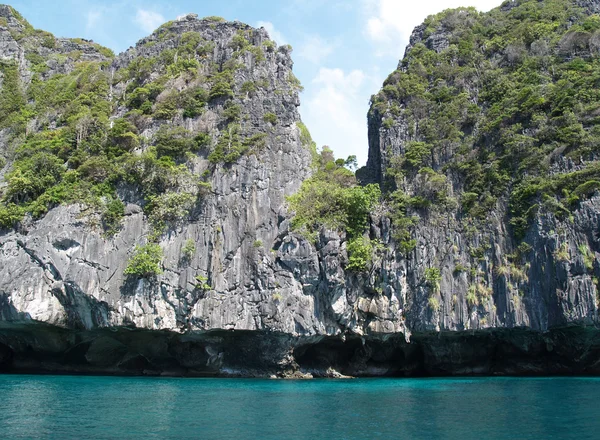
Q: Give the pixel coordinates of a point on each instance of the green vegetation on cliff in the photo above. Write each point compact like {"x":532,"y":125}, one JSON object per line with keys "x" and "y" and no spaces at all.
{"x":507,"y":102}
{"x":145,"y":261}
{"x":331,"y":198}
{"x":72,"y":162}
{"x":78,"y":137}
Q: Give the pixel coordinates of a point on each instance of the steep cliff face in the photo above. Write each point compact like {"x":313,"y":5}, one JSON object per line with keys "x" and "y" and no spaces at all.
{"x":486,"y":140}
{"x":145,"y":216}
{"x":224,"y":82}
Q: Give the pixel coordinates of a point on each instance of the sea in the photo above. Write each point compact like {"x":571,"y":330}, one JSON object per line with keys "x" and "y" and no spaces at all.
{"x":85,"y":407}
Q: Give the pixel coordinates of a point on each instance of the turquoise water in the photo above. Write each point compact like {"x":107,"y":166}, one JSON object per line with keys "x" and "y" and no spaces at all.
{"x":65,"y":407}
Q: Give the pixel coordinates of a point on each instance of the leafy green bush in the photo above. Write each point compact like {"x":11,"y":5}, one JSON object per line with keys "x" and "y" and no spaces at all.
{"x":360,"y":254}
{"x":239,"y":41}
{"x":10,"y":214}
{"x":153,"y":175}
{"x":402,"y":222}
{"x":141,"y":98}
{"x":232,"y":111}
{"x":326,"y":203}
{"x":586,"y":189}
{"x":174,"y":141}
{"x":248,"y":87}
{"x":270,"y":118}
{"x":169,"y":207}
{"x":113,"y":212}
{"x":187,"y":66}
{"x":258,"y":53}
{"x":459,"y":268}
{"x":433,"y":277}
{"x":307,"y":141}
{"x":202,"y":283}
{"x":12,"y":96}
{"x":188,"y":250}
{"x":388,"y":123}
{"x":194,"y":101}
{"x":222,"y":85}
{"x":472,"y":299}
{"x":416,"y":154}
{"x":188,"y":43}
{"x":231,"y":145}
{"x":31,"y":176}
{"x":146,"y":261}
{"x":293,"y":81}
{"x":215,"y":19}
{"x":206,"y":49}
{"x":123,"y":135}
{"x":167,"y":107}
{"x":269,"y":45}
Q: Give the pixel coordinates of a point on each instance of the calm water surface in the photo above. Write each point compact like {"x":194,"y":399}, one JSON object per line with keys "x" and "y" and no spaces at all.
{"x":65,"y":407}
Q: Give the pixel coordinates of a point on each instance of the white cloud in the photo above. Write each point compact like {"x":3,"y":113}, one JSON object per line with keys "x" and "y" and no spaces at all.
{"x":391,"y":21}
{"x":337,"y":80}
{"x":335,"y":112}
{"x":274,"y":34}
{"x":315,"y":49}
{"x":148,"y":20}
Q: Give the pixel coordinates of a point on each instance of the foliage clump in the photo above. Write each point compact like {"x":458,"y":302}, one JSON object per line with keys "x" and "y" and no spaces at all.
{"x":222,"y":85}
{"x":232,"y":145}
{"x":270,"y":118}
{"x":169,"y":207}
{"x":175,"y":142}
{"x":433,"y":277}
{"x":202,"y":283}
{"x":214,"y":19}
{"x":146,"y":261}
{"x":188,"y":250}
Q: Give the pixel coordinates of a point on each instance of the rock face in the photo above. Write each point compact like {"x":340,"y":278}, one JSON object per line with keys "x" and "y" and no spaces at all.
{"x":60,"y":272}
{"x":487,"y":274}
{"x":238,"y":292}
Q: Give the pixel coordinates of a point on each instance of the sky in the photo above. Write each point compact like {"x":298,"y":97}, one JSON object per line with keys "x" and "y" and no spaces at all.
{"x":343,"y":49}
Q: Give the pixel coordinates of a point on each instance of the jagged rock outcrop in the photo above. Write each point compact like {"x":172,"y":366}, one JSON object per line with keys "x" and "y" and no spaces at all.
{"x":210,"y":115}
{"x":29,"y":47}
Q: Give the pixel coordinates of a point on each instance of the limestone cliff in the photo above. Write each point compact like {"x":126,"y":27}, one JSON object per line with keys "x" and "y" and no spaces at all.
{"x":178,"y":155}
{"x":63,"y":270}
{"x":468,"y":135}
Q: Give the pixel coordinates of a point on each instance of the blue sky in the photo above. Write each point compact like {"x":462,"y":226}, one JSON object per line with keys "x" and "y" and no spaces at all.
{"x":343,"y":50}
